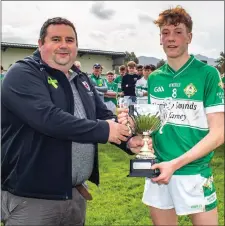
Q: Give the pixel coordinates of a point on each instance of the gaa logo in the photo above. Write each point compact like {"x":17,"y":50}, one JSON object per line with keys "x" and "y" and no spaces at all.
{"x":158,"y":89}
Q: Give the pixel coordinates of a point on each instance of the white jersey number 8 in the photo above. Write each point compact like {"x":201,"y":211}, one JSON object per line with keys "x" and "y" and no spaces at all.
{"x":174,"y":93}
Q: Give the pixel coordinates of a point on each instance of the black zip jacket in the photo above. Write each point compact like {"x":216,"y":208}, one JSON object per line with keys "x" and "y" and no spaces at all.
{"x":128,"y":84}
{"x":38,"y":127}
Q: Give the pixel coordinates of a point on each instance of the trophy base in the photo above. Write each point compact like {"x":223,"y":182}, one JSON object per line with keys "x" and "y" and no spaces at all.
{"x":141,"y":168}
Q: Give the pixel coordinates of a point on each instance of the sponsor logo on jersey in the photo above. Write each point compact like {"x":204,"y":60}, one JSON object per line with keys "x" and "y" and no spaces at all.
{"x":197,"y":207}
{"x":174,"y":85}
{"x":189,"y":105}
{"x":190,"y":90}
{"x":221,"y":96}
{"x":210,"y":199}
{"x":188,"y":113}
{"x":158,"y":89}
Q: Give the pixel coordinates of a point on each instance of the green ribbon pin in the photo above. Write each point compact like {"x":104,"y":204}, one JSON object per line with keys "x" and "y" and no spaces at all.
{"x":53,"y":82}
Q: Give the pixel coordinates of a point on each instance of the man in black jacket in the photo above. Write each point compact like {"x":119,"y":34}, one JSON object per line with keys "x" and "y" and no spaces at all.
{"x":52,"y":121}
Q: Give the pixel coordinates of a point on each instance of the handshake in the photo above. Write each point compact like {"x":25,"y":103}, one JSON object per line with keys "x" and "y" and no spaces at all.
{"x":120,"y":131}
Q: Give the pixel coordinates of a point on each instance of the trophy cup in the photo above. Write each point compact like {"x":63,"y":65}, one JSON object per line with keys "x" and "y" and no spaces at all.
{"x":148,"y":119}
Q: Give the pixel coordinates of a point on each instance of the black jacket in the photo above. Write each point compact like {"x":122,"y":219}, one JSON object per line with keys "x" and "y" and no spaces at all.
{"x":128,"y":84}
{"x":38,"y":127}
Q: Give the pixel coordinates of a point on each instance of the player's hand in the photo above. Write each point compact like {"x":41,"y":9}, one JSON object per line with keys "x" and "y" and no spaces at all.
{"x":166,"y":171}
{"x":136,"y":143}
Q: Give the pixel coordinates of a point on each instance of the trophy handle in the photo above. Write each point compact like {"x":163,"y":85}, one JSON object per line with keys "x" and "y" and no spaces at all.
{"x":163,"y":124}
{"x":131,"y":114}
{"x":164,"y":113}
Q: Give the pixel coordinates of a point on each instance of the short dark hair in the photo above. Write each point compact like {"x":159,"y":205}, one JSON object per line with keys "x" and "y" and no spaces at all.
{"x":139,"y":67}
{"x":109,"y":73}
{"x":2,"y":68}
{"x":147,"y":67}
{"x":153,"y":67}
{"x":122,"y":68}
{"x":55,"y":21}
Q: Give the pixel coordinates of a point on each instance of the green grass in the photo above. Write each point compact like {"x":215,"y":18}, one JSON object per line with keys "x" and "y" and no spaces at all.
{"x":118,"y":200}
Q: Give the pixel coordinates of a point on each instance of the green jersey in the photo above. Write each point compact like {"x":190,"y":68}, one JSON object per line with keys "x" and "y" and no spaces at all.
{"x":195,"y":90}
{"x":112,"y":87}
{"x":118,"y":80}
{"x":98,"y":81}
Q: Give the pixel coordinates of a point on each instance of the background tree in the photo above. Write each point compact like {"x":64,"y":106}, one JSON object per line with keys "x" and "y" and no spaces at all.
{"x":160,"y":63}
{"x":130,"y":57}
{"x":220,"y":62}
{"x":117,"y":71}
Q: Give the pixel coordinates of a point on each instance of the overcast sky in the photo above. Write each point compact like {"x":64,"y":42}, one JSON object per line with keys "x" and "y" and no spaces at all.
{"x":116,"y":26}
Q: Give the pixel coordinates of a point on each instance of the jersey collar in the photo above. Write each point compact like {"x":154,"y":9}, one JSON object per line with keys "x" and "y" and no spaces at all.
{"x":182,"y":69}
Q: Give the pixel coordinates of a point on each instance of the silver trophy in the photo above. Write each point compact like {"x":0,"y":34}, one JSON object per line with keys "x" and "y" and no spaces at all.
{"x":148,"y":119}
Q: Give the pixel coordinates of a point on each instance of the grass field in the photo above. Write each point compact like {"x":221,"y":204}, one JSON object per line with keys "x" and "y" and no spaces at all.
{"x":118,"y":200}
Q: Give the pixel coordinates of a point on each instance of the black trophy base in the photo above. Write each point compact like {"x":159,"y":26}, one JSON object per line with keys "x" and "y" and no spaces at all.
{"x":141,"y":168}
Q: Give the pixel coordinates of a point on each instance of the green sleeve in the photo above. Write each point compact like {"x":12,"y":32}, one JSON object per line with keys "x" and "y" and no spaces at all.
{"x":115,"y":87}
{"x":223,"y":80}
{"x":149,"y":88}
{"x":116,"y":80}
{"x":213,"y":93}
{"x":105,"y":82}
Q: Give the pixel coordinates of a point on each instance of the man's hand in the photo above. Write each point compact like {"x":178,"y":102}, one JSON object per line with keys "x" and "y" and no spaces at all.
{"x":166,"y":171}
{"x":117,"y":132}
{"x":136,"y":143}
{"x":124,"y":118}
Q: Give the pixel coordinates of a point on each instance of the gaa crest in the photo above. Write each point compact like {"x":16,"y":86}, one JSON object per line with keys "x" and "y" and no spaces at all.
{"x":209,"y":183}
{"x":190,"y":90}
{"x":220,"y":84}
{"x":86,"y":85}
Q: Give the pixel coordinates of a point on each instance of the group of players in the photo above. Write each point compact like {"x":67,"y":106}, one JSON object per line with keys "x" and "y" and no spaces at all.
{"x":131,"y":84}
